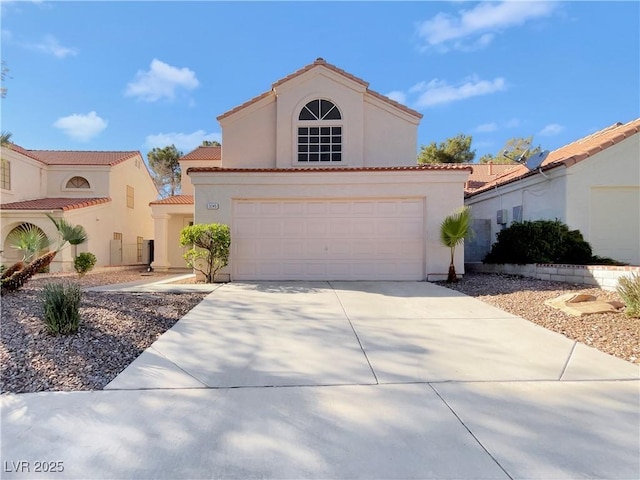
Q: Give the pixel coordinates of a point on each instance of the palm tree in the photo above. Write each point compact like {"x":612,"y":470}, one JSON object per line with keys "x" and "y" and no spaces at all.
{"x":71,"y":234}
{"x":453,"y":231}
{"x":5,"y":138}
{"x":28,"y":240}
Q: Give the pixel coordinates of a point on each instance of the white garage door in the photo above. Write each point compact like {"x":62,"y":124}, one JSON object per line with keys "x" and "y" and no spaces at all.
{"x":354,"y":239}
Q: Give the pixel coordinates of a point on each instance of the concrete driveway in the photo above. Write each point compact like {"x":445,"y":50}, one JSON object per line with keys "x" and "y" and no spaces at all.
{"x":342,"y":380}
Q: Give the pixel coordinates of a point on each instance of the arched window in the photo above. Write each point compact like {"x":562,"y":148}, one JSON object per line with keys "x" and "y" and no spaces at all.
{"x":320,"y":132}
{"x":78,"y":182}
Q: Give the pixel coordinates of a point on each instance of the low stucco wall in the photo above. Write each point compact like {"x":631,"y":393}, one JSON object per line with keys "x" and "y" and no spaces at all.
{"x":603,"y":276}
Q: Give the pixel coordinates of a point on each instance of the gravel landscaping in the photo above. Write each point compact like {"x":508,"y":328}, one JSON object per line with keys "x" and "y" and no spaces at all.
{"x":117,"y":327}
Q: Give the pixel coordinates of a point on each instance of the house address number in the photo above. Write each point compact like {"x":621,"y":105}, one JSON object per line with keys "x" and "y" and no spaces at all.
{"x":213,"y":206}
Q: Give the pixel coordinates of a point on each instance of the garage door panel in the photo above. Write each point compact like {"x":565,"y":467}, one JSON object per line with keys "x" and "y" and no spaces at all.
{"x":376,"y":239}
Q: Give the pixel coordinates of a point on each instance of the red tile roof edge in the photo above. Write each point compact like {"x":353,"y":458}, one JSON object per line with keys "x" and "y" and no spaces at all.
{"x":174,"y":200}
{"x":192,"y":153}
{"x":74,"y":203}
{"x":324,"y":63}
{"x":632,"y":128}
{"x":331,"y":169}
{"x":33,"y":154}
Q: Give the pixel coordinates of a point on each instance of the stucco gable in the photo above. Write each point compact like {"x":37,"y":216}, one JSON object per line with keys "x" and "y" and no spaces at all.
{"x":319,"y":66}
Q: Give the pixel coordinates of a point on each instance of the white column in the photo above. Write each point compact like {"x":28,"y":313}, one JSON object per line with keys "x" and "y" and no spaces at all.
{"x":160,"y":241}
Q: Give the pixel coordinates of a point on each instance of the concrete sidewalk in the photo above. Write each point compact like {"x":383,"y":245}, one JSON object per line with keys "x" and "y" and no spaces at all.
{"x":342,"y":380}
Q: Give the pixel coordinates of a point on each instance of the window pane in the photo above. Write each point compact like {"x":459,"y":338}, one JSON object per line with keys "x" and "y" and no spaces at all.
{"x":314,"y":131}
{"x":314,"y":148}
{"x":336,"y":157}
{"x":313,"y":157}
{"x":314,"y":107}
{"x":303,"y":148}
{"x":325,"y":139}
{"x":314,"y":139}
{"x":303,"y":131}
{"x":325,"y":157}
{"x":337,"y":148}
{"x":303,"y":139}
{"x":325,"y":106}
{"x":302,"y":157}
{"x":336,"y":139}
{"x":336,"y":130}
{"x":325,"y":148}
{"x":333,"y":114}
{"x":305,"y":114}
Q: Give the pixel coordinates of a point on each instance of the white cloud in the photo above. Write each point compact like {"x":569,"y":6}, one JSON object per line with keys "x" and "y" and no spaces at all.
{"x":475,"y":28}
{"x":398,"y":96}
{"x":81,"y":127}
{"x":51,"y":46}
{"x":512,"y":123}
{"x":486,"y":127}
{"x":161,"y":81}
{"x":183,"y":141}
{"x":551,"y":130}
{"x":439,"y":91}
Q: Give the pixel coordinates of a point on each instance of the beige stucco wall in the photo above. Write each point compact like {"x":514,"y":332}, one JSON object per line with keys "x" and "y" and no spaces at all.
{"x":441,"y":191}
{"x":603,"y":200}
{"x":59,"y":175}
{"x":249,"y":136}
{"x":390,"y":136}
{"x":28,"y":178}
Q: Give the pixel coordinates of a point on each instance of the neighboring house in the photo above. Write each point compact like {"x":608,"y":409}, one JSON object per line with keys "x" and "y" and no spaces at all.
{"x":108,"y":193}
{"x":592,"y":184}
{"x":172,"y":214}
{"x":318,"y":181}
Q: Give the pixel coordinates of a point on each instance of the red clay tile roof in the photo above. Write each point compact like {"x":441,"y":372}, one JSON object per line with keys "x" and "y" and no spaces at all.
{"x":174,"y":200}
{"x":76,"y":157}
{"x":63,"y":204}
{"x":321,"y":62}
{"x":443,"y":166}
{"x":484,"y":173}
{"x":204,"y":153}
{"x":570,"y":154}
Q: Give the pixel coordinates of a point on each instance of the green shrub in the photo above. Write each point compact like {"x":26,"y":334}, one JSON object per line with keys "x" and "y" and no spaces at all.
{"x":540,"y":241}
{"x":84,"y":262}
{"x":629,"y":290}
{"x":209,"y":250}
{"x":61,"y":305}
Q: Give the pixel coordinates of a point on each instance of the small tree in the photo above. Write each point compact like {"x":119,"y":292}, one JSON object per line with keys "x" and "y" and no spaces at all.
{"x":29,"y":240}
{"x":165,"y":169}
{"x":453,"y":231}
{"x":453,"y":150}
{"x":209,"y":250}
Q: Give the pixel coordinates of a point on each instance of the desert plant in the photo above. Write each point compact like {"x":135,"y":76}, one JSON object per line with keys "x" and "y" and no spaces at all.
{"x":629,"y":290}
{"x":29,"y":240}
{"x":84,"y":262}
{"x":540,"y":241}
{"x":209,"y":250}
{"x":453,"y":231}
{"x":16,"y":267}
{"x":20,"y":277}
{"x":72,"y":234}
{"x":61,"y":305}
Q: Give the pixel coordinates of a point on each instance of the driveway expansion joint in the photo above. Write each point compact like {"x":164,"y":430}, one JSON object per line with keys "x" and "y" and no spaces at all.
{"x":566,"y":364}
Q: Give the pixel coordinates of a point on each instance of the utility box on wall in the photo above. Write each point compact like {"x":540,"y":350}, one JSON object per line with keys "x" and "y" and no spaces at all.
{"x":502,"y":217}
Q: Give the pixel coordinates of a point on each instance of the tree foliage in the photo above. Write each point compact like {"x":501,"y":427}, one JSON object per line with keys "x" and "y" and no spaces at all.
{"x":454,"y":229}
{"x":211,"y":143}
{"x":209,"y":250}
{"x":513,"y":149}
{"x":453,"y":150}
{"x":5,"y":138}
{"x":29,"y":240}
{"x":165,"y":169}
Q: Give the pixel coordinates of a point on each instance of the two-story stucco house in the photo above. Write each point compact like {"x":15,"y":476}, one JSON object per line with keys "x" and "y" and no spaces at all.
{"x":592,"y":185}
{"x":318,"y":180}
{"x":108,"y":193}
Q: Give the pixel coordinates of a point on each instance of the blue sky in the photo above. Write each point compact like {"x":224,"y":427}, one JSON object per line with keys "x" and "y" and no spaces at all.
{"x":138,"y":75}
